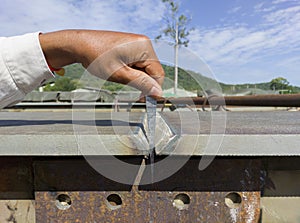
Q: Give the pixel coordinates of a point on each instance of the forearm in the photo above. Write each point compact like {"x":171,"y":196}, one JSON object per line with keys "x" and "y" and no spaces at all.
{"x":58,"y":47}
{"x":65,"y":47}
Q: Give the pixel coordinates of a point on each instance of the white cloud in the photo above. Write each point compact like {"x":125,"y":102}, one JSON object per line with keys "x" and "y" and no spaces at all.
{"x":234,"y":10}
{"x":262,"y":7}
{"x":283,"y":1}
{"x":283,"y":15}
{"x":242,"y":46}
{"x":20,"y":16}
{"x":259,"y":6}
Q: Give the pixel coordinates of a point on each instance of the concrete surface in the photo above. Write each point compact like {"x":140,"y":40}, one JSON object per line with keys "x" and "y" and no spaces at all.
{"x":234,"y":133}
{"x":123,"y":133}
{"x":280,"y":209}
{"x":17,"y":211}
{"x":67,"y":133}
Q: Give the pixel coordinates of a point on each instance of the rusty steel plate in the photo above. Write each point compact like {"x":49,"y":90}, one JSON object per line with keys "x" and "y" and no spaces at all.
{"x":227,"y":191}
{"x":145,"y":206}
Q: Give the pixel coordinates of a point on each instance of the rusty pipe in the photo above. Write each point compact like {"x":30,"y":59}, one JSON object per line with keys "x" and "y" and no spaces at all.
{"x":291,"y":100}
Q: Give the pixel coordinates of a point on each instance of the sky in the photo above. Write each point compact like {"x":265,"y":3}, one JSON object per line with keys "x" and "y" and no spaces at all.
{"x":242,"y":41}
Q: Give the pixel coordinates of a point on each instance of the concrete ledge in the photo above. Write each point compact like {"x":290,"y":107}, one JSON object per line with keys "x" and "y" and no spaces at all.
{"x":235,"y":145}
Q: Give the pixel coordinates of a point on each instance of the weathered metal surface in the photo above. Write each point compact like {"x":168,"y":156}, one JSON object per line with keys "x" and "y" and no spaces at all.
{"x":146,"y":206}
{"x":75,"y":174}
{"x":277,"y":100}
{"x":283,"y":183}
{"x":27,"y":106}
{"x":16,"y":178}
{"x":248,"y":100}
{"x":94,"y":97}
{"x":200,"y":195}
{"x":225,"y":175}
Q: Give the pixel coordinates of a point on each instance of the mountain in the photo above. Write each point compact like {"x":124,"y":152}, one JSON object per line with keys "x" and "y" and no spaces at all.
{"x":188,"y":80}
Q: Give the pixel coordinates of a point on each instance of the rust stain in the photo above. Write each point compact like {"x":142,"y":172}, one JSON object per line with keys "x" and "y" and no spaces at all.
{"x":149,"y":206}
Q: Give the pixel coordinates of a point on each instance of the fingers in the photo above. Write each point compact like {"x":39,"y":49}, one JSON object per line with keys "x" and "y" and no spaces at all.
{"x":137,"y":79}
{"x":122,"y":53}
{"x":154,"y":69}
{"x":147,"y":61}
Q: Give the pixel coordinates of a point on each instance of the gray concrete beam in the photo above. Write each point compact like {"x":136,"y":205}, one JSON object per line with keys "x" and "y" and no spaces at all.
{"x":122,"y":133}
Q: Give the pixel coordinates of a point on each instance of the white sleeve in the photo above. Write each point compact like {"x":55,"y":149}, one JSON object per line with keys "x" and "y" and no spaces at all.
{"x":23,"y":67}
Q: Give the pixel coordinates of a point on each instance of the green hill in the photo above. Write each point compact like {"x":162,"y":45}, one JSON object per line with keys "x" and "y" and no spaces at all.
{"x":186,"y":80}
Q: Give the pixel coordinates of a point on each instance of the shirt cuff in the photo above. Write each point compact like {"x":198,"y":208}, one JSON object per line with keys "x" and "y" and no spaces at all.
{"x":25,"y":61}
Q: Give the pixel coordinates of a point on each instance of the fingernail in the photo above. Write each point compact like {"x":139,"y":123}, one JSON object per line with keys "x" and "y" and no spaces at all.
{"x":155,"y":92}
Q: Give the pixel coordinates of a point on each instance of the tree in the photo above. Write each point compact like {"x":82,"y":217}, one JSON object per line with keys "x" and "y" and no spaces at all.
{"x":279,"y":83}
{"x":176,"y":29}
{"x":62,"y":84}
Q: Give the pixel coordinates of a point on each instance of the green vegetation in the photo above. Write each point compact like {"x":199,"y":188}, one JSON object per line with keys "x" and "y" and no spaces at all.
{"x":73,"y":79}
{"x":62,"y":84}
{"x":283,"y":86}
{"x":279,"y":84}
{"x":187,"y":80}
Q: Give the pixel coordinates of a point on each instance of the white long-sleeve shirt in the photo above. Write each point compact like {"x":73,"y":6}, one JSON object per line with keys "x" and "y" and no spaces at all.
{"x":23,"y":67}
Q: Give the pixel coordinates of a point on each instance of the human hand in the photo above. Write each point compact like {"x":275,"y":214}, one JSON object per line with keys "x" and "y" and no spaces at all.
{"x":120,"y":57}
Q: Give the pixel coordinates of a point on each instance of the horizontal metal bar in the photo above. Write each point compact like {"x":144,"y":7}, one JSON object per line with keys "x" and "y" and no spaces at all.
{"x":249,"y":100}
{"x":40,"y":105}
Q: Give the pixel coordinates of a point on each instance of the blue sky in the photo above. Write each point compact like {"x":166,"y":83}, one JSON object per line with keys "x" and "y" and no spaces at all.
{"x":241,"y":40}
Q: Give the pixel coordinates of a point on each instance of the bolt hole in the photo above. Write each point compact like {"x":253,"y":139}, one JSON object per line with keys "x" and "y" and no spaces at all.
{"x":181,"y":201}
{"x":114,"y":201}
{"x":233,"y":200}
{"x":63,"y":202}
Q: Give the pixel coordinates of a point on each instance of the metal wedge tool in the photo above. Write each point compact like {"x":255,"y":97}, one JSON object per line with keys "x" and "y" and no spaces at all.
{"x":151,"y":122}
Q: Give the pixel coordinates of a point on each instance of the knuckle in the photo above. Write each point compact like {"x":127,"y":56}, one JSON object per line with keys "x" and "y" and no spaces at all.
{"x":142,"y":37}
{"x":142,"y":82}
{"x":144,"y":56}
{"x":161,"y":72}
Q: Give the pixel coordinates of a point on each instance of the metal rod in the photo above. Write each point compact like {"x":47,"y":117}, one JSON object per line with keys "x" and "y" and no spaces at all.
{"x":251,"y":100}
{"x":292,"y":100}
